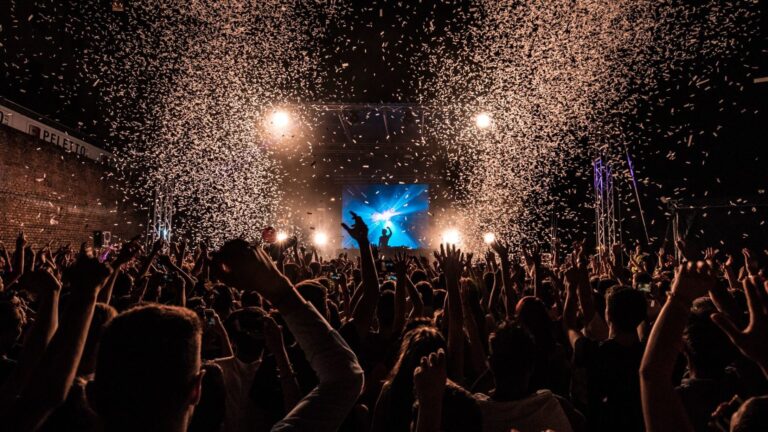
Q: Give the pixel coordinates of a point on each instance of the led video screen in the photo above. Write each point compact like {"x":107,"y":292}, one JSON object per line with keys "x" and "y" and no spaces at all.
{"x":396,"y":215}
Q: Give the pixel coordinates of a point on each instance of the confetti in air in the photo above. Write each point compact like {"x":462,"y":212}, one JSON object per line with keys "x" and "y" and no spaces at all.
{"x":521,"y":96}
{"x":192,"y":86}
{"x":552,"y":84}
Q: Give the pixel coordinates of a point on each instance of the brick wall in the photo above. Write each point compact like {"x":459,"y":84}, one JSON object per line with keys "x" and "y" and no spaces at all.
{"x":55,"y":195}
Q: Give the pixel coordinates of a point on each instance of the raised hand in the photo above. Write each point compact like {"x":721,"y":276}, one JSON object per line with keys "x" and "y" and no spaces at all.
{"x":709,"y":255}
{"x":21,"y":241}
{"x":359,"y":230}
{"x":450,"y":261}
{"x":468,"y":260}
{"x":400,"y":261}
{"x":532,"y":256}
{"x":686,"y":251}
{"x":88,"y":275}
{"x":430,"y":377}
{"x":572,"y":276}
{"x":693,"y":280}
{"x":501,"y":248}
{"x":728,"y":264}
{"x":128,"y":252}
{"x":248,"y":268}
{"x":752,"y":340}
{"x":750,"y":269}
{"x":157,"y":246}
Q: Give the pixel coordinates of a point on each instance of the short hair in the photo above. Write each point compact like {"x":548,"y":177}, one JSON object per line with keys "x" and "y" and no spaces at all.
{"x":147,"y":361}
{"x":251,"y":298}
{"x":123,"y":285}
{"x":315,"y":293}
{"x":512,"y":353}
{"x":643,"y":278}
{"x":425,"y":290}
{"x":604,"y":285}
{"x":388,"y":285}
{"x":708,"y":349}
{"x":627,"y":307}
{"x":246,"y":327}
{"x":316,"y":267}
{"x":223,"y":300}
{"x":419,"y":275}
{"x":532,"y":313}
{"x":292,"y":271}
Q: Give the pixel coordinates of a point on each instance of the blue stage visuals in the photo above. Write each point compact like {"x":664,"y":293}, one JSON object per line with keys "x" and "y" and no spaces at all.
{"x":397,"y":209}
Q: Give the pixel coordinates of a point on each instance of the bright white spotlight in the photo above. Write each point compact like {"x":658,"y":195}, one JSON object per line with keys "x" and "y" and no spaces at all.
{"x":280,"y":120}
{"x":483,"y":120}
{"x":320,"y":239}
{"x":489,"y":238}
{"x":282,"y":236}
{"x":385,"y":216}
{"x":451,"y":236}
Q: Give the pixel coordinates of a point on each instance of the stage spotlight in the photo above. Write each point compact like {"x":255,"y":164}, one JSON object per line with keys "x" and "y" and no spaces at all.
{"x":320,"y":239}
{"x":384,"y":216}
{"x":282,"y":236}
{"x":451,"y":236}
{"x":483,"y":120}
{"x":280,"y":120}
{"x":489,"y":238}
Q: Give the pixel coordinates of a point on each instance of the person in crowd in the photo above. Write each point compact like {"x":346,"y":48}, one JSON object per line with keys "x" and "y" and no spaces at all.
{"x":257,"y":337}
{"x":513,"y":403}
{"x":608,"y":349}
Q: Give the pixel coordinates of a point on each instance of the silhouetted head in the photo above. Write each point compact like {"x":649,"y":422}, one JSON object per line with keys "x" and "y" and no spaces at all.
{"x":416,"y":344}
{"x":626,"y":308}
{"x":707,"y":348}
{"x":11,"y":324}
{"x":512,"y":360}
{"x":315,"y":293}
{"x":148,"y":372}
{"x":102,"y":315}
{"x":532,"y":313}
{"x":245,"y":328}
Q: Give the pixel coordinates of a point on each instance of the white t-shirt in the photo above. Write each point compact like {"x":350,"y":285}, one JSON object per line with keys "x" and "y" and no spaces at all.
{"x":242,"y":414}
{"x":536,"y":413}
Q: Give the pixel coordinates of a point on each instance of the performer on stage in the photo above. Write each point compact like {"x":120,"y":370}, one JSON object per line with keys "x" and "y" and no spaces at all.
{"x":386,"y":234}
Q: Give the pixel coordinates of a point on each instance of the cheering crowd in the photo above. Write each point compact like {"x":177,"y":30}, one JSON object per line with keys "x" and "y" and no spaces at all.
{"x":272,"y":336}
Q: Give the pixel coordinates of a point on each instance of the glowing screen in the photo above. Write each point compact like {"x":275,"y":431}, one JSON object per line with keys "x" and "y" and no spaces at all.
{"x":399,"y":208}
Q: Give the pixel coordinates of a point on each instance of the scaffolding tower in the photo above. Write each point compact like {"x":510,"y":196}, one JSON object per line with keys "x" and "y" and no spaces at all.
{"x":161,"y":216}
{"x":605,"y":210}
